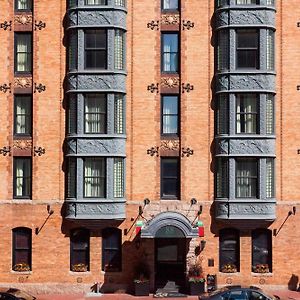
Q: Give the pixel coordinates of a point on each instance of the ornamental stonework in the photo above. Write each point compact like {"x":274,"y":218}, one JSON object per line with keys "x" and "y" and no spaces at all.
{"x":22,"y":144}
{"x":22,"y":82}
{"x":170,"y":145}
{"x":170,"y":20}
{"x":170,"y":82}
{"x":23,"y":19}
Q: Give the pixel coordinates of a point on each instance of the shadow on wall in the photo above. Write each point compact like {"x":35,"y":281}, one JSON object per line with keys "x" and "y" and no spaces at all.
{"x":293,"y":283}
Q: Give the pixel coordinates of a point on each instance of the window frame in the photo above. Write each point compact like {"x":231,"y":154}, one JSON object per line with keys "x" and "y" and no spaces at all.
{"x":174,"y":33}
{"x":247,"y":4}
{"x":163,"y":9}
{"x":86,"y":4}
{"x":23,"y":10}
{"x":29,"y":98}
{"x":176,"y":178}
{"x":105,"y":49}
{"x":257,"y":49}
{"x":235,"y":233}
{"x":162,"y":115}
{"x":28,"y":232}
{"x":86,"y":252}
{"x":24,"y":158}
{"x":106,"y":234}
{"x":30,"y":54}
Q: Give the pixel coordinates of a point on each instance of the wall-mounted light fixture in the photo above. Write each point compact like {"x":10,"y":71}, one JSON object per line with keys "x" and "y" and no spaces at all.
{"x":193,"y":201}
{"x":146,"y":201}
{"x":50,"y":212}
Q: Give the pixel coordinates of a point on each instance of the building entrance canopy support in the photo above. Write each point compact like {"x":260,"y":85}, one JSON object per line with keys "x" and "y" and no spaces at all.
{"x":169,"y":225}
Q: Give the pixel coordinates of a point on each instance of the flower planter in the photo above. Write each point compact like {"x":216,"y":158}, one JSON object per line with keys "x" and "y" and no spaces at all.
{"x":142,"y":288}
{"x":197,"y":288}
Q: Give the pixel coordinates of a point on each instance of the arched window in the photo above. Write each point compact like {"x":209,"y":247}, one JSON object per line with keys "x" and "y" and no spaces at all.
{"x":22,"y":249}
{"x":112,"y":250}
{"x":229,"y":250}
{"x":261,"y":251}
{"x":80,"y":250}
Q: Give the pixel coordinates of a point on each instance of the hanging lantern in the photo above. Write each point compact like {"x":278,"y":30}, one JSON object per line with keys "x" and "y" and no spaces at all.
{"x":138,"y":226}
{"x":200,"y":229}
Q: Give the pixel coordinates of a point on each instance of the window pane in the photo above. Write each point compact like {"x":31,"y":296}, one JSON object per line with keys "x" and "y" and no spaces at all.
{"x":246,"y":113}
{"x":222,"y":50}
{"x":71,"y":177}
{"x":246,"y":178}
{"x":270,"y":178}
{"x":95,"y":2}
{"x":222,"y":178}
{"x":222,"y":114}
{"x":247,"y":48}
{"x":120,"y":3}
{"x":80,"y":249}
{"x":95,"y":113}
{"x":21,"y":249}
{"x":246,"y":2}
{"x":170,"y":178}
{"x":170,"y":4}
{"x":73,"y":50}
{"x":170,"y":115}
{"x":22,"y":115}
{"x":118,"y":177}
{"x":229,"y":250}
{"x":270,"y":115}
{"x":24,"y":5}
{"x":119,"y":49}
{"x":23,"y":52}
{"x":119,"y":114}
{"x":22,"y":177}
{"x":270,"y":50}
{"x":170,"y":52}
{"x":94,"y":177}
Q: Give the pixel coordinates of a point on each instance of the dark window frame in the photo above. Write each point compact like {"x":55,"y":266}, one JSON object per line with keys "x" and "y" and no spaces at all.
{"x":163,"y":53}
{"x":85,"y":3}
{"x":162,"y":115}
{"x":236,"y":253}
{"x":107,"y":265}
{"x":170,"y":9}
{"x":24,"y":10}
{"x":269,"y":256}
{"x":27,"y":116}
{"x":29,"y":159}
{"x":248,"y":4}
{"x":28,"y":233}
{"x":256,"y":178}
{"x":16,"y":35}
{"x":105,"y":49}
{"x":174,"y":178}
{"x":249,"y":49}
{"x":75,"y":244}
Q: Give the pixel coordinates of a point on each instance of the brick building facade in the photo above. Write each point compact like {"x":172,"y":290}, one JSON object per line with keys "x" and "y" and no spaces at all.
{"x":158,"y":115}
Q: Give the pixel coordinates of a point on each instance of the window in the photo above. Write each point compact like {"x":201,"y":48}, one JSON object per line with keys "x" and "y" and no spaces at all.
{"x":118,"y":177}
{"x":170,"y":182}
{"x":222,"y":50}
{"x":170,"y":4}
{"x":170,"y":52}
{"x":22,"y":249}
{"x":80,"y":250}
{"x":23,"y":52}
{"x":221,"y":3}
{"x":222,"y":114}
{"x":119,"y":49}
{"x":119,"y":123}
{"x":73,"y":50}
{"x":71,"y":189}
{"x":95,"y":113}
{"x":247,"y":49}
{"x":169,"y":115}
{"x":95,"y":46}
{"x":222,"y":178}
{"x":72,"y":114}
{"x":22,"y":177}
{"x":246,"y":113}
{"x":246,"y":178}
{"x":120,"y":3}
{"x":95,"y":2}
{"x":23,"y":5}
{"x":22,"y":116}
{"x":111,"y":250}
{"x":229,"y":250}
{"x":270,"y":124}
{"x":270,"y":49}
{"x":261,"y":250}
{"x":94,"y":177}
{"x":246,"y":2}
{"x":270,"y":178}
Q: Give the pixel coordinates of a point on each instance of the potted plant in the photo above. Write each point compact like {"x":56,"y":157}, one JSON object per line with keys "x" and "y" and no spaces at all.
{"x":261,"y":268}
{"x":141,"y":280}
{"x":196,"y":279}
{"x":229,"y":268}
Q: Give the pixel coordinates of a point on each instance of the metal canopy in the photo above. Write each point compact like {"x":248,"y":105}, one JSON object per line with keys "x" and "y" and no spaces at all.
{"x":165,"y":221}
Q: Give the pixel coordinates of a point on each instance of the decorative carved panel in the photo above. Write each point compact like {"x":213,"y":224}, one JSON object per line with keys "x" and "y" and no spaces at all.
{"x":170,"y":19}
{"x":22,"y":144}
{"x":170,"y":82}
{"x":23,"y":82}
{"x":173,"y":145}
{"x":23,"y":19}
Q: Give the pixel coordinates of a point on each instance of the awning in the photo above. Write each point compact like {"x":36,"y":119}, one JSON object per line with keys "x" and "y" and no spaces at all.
{"x":169,"y":224}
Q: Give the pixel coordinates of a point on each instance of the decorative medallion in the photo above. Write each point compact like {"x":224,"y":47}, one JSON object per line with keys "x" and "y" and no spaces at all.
{"x":22,"y":82}
{"x":38,"y":151}
{"x":187,"y":25}
{"x":5,"y":150}
{"x":170,"y":145}
{"x":153,"y":87}
{"x":5,"y":25}
{"x":23,"y":19}
{"x":39,"y":25}
{"x":170,"y":19}
{"x":170,"y":82}
{"x":153,"y":151}
{"x":186,"y":152}
{"x":22,"y":144}
{"x":5,"y":87}
{"x":153,"y":24}
{"x":187,"y":87}
{"x":228,"y":280}
{"x":39,"y":88}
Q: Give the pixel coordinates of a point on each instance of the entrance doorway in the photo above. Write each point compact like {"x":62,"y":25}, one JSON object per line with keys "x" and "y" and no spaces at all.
{"x":170,"y":257}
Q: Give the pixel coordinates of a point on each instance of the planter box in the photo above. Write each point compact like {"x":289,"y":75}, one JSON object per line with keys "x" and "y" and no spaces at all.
{"x":141,"y":288}
{"x":197,"y":288}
